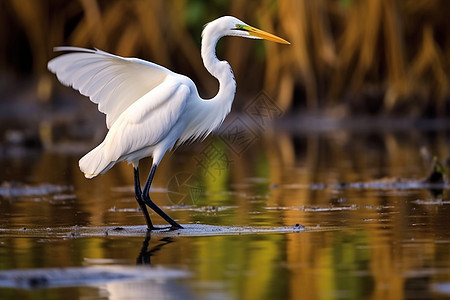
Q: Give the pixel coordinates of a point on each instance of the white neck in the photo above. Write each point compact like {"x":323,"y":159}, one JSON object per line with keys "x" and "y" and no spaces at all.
{"x":220,"y":70}
{"x":209,"y":114}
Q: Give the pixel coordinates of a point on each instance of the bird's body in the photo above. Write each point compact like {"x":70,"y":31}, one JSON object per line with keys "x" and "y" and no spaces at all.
{"x":149,"y":109}
{"x":169,"y":100}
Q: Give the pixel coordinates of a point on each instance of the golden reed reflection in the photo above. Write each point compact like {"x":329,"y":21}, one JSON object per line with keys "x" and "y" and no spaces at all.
{"x":365,"y":242}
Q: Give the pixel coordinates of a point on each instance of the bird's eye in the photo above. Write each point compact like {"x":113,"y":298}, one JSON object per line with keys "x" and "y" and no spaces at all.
{"x":240,"y":27}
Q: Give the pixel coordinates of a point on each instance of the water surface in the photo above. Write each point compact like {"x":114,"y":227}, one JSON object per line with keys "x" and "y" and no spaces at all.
{"x":326,"y":214}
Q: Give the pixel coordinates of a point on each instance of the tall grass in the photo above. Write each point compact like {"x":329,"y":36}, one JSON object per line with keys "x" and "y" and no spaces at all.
{"x":377,"y":56}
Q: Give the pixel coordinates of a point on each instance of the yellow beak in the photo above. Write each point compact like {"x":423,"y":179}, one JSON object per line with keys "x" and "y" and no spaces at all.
{"x":264,"y":35}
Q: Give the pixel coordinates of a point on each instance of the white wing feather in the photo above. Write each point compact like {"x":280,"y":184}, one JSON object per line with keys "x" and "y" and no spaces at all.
{"x":142,"y":126}
{"x":143,"y":129}
{"x":111,"y":81}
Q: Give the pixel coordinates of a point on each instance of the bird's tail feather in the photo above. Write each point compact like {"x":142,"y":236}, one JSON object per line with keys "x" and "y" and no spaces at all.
{"x":95,"y":162}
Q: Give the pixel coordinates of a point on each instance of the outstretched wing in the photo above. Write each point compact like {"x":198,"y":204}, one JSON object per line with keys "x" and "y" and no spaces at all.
{"x":143,"y":129}
{"x":143,"y":125}
{"x":111,"y":81}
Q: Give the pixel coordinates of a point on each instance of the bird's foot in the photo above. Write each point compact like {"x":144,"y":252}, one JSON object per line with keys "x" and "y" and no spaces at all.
{"x":176,"y":227}
{"x":169,"y":228}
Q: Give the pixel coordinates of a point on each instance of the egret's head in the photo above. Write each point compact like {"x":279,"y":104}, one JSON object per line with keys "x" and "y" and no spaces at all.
{"x":231,"y":26}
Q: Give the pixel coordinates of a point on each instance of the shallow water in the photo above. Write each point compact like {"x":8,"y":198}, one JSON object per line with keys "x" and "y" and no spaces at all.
{"x":326,"y":214}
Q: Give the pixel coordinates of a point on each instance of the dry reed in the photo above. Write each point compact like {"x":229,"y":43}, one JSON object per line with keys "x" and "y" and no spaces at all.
{"x":394,"y":53}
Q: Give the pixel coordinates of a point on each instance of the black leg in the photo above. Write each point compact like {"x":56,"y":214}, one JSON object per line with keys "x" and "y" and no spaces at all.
{"x":138,"y":195}
{"x":152,"y":205}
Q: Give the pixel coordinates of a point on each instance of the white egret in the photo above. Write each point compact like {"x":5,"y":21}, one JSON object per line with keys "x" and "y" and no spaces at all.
{"x":150,"y":109}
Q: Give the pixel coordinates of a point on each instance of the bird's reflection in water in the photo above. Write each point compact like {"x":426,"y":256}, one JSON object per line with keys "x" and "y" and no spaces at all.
{"x":144,"y":257}
{"x":149,"y":289}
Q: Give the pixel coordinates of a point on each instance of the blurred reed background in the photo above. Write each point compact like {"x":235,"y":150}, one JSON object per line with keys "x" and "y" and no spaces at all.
{"x":347,"y":56}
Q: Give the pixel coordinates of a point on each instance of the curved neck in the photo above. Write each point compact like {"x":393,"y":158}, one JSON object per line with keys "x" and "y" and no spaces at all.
{"x":207,"y":115}
{"x":221,"y":70}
